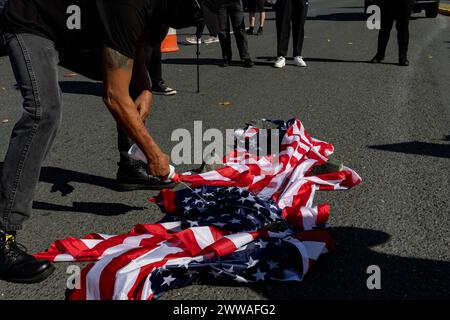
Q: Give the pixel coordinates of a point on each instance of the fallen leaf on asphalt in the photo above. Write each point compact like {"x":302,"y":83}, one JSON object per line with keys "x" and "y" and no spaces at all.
{"x":225,"y":103}
{"x":70,"y":74}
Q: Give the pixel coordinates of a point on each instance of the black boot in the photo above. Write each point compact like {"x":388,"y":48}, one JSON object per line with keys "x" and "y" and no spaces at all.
{"x":250,"y":30}
{"x":134,"y":176}
{"x":247,"y":63}
{"x":18,"y":266}
{"x":225,"y":62}
{"x":403,"y":60}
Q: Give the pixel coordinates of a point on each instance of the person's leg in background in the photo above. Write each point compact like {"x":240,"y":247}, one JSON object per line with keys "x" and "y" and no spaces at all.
{"x":283,"y":14}
{"x":237,"y":21}
{"x":251,"y":23}
{"x":198,"y":33}
{"x":402,"y":24}
{"x":387,"y":21}
{"x":262,"y":16}
{"x":299,"y":13}
{"x":224,"y":36}
{"x":154,"y":65}
{"x":34,"y":62}
{"x":251,"y":16}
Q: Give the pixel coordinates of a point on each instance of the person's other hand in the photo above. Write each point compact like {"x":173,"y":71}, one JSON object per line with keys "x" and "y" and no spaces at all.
{"x":144,"y":104}
{"x":159,"y":166}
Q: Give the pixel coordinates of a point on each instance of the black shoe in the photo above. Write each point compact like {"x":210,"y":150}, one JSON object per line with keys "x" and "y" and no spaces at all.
{"x":225,"y":63}
{"x":247,"y":63}
{"x":403,"y":61}
{"x":134,"y":176}
{"x":260,"y":31}
{"x":377,"y":59}
{"x":250,"y":30}
{"x":18,"y":266}
{"x":163,"y":89}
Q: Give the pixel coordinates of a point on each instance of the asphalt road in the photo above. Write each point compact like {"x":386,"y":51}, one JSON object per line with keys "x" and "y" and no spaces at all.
{"x":389,"y":123}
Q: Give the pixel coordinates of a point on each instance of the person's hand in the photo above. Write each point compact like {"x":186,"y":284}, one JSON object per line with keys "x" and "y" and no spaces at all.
{"x":159,"y":166}
{"x":144,"y":104}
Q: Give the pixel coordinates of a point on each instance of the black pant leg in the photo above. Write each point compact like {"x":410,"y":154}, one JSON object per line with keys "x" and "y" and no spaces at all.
{"x":387,"y":21}
{"x":299,"y":13}
{"x":237,"y":21}
{"x":283,"y":15}
{"x":153,"y":61}
{"x":200,"y":28}
{"x":224,"y":33}
{"x":402,"y":25}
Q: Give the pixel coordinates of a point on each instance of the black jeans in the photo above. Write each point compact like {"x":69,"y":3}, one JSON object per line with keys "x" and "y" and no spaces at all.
{"x":398,"y":11}
{"x":232,"y":10}
{"x":289,"y":12}
{"x":34,"y":61}
{"x":200,"y":28}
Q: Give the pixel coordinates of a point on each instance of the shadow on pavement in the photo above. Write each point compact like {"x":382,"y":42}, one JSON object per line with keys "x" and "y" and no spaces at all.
{"x":61,"y":179}
{"x":82,"y":87}
{"x":216,"y":62}
{"x":418,"y":148}
{"x":192,"y":61}
{"x":344,"y":16}
{"x":101,"y":209}
{"x":343,"y":274}
{"x":323,"y":60}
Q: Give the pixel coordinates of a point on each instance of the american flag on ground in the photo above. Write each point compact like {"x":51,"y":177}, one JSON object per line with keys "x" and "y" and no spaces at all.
{"x":252,"y":220}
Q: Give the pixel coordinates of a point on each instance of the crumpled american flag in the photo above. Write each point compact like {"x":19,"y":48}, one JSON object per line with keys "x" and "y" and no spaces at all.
{"x":252,"y":220}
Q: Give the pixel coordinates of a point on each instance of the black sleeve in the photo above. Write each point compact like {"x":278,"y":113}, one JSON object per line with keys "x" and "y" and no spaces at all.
{"x":125,"y":22}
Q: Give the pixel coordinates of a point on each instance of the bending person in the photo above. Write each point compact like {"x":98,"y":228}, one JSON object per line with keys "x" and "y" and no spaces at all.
{"x":37,"y":35}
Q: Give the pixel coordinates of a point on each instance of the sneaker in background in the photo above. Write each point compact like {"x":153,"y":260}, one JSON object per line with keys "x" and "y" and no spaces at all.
{"x":299,"y":61}
{"x":193,"y":40}
{"x":280,"y":63}
{"x":162,"y":89}
{"x":210,"y":39}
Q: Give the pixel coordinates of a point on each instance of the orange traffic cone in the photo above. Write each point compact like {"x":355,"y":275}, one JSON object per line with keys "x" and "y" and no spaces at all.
{"x":170,"y":43}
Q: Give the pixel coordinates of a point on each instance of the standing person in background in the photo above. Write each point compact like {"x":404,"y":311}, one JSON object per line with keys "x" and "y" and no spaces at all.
{"x":154,"y":64}
{"x":253,"y":7}
{"x":289,"y":12}
{"x":232,"y":10}
{"x":399,"y":11}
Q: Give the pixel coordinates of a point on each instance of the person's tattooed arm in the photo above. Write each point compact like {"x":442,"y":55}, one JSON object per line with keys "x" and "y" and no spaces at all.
{"x":117,"y":75}
{"x":115,"y":60}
